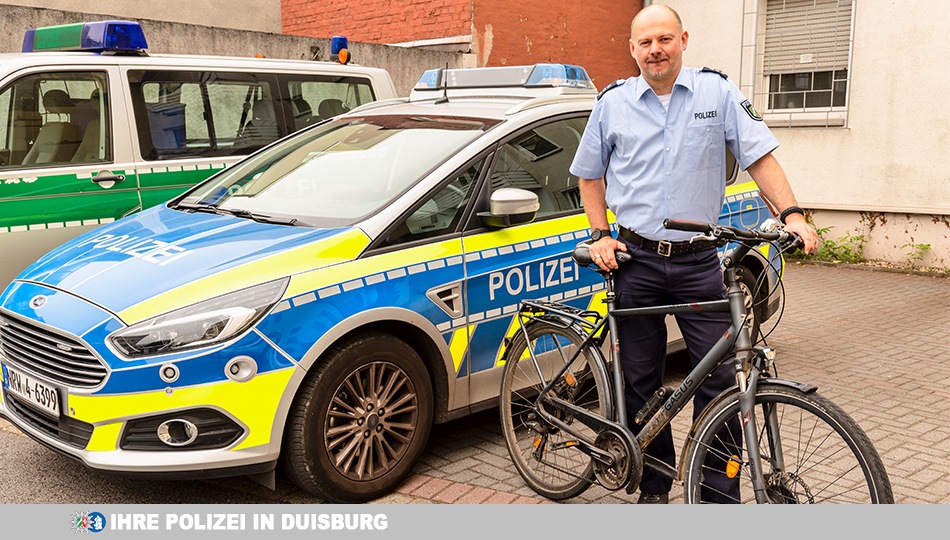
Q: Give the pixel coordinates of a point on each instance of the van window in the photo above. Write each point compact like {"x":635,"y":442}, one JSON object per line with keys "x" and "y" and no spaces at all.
{"x":316,"y":98}
{"x":192,"y":113}
{"x":50,"y":119}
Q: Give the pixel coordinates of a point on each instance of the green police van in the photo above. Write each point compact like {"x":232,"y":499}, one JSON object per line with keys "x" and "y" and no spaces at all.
{"x":93,"y":128}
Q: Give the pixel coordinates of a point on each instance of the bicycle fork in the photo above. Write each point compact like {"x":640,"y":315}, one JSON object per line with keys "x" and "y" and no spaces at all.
{"x":747,"y":378}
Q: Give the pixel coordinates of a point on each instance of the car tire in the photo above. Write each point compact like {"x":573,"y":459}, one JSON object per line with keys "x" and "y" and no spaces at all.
{"x":360,"y":420}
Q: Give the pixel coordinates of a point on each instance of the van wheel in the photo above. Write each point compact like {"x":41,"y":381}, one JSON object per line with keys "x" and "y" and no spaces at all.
{"x":754,"y":303}
{"x":360,"y":420}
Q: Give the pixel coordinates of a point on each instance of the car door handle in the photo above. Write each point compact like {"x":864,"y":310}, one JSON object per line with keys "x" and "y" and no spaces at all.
{"x":108,"y":178}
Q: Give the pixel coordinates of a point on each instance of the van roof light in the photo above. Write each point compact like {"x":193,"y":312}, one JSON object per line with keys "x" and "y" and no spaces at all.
{"x":98,"y":36}
{"x":338,"y":49}
{"x":536,"y":76}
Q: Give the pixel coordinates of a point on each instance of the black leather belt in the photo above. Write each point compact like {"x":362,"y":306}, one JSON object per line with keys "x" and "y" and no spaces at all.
{"x":664,"y":248}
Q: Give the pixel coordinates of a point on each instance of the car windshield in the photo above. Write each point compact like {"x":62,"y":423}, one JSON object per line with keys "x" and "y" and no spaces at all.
{"x":336,"y":174}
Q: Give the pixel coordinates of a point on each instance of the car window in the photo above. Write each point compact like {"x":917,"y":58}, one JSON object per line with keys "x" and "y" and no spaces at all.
{"x":55,"y":119}
{"x":538,"y":161}
{"x":440,"y":213}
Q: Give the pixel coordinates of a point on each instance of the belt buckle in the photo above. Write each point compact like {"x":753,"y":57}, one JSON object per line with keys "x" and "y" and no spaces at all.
{"x":664,"y":248}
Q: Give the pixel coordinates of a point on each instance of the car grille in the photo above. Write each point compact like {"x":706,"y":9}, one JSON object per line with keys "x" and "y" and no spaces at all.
{"x":55,"y":357}
{"x":68,"y":430}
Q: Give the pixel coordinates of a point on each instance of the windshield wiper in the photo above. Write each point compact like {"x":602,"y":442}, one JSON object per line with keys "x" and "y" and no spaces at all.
{"x":200,"y":208}
{"x":236,"y":212}
{"x":261,"y":218}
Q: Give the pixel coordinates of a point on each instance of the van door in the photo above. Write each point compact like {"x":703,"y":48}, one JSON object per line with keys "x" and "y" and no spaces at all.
{"x":65,"y":161}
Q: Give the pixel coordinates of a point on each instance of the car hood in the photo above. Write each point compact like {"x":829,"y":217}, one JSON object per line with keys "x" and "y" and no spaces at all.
{"x":142,"y":256}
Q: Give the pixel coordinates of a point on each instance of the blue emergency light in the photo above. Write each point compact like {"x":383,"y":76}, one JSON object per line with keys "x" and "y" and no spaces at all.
{"x":338,"y":49}
{"x":98,"y":36}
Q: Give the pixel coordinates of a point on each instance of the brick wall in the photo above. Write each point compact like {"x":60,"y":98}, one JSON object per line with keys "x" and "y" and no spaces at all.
{"x":378,"y":21}
{"x":594,"y":34}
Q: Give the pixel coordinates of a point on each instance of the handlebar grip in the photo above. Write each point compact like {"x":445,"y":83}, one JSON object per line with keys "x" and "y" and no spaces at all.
{"x":686,"y":225}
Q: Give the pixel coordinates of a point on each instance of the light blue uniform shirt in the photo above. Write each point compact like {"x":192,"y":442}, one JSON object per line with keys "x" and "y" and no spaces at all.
{"x":661,"y":164}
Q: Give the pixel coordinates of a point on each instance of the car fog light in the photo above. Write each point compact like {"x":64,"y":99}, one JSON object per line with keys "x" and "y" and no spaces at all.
{"x":241,"y":369}
{"x":169,"y":373}
{"x":177,"y":432}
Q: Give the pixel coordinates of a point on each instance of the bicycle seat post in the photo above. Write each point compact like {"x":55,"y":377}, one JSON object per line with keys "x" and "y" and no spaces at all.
{"x":613,"y":337}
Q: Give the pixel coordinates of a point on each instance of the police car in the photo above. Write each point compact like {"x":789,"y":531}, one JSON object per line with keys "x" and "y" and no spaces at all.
{"x":322,"y":303}
{"x":93,"y":127}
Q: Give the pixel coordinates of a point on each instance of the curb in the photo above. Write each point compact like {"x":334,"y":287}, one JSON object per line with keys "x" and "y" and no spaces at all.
{"x":869,"y":268}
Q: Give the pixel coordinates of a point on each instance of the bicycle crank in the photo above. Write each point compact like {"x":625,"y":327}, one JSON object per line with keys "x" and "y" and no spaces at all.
{"x":626,"y":466}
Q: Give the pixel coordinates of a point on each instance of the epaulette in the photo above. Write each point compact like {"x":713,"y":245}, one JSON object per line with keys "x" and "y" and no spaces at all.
{"x":716,"y":71}
{"x":610,"y":87}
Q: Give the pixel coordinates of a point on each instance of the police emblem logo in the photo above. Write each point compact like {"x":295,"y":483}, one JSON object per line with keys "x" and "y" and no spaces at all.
{"x":751,"y":110}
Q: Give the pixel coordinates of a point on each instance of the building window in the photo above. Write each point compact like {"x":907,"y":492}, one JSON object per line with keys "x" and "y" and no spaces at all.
{"x":806,"y":50}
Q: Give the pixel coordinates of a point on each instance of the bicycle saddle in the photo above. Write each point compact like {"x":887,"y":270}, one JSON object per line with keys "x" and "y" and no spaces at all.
{"x":581,"y":255}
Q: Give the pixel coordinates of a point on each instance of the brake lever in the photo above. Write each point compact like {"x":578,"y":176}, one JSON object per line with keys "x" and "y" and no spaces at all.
{"x":701,"y":237}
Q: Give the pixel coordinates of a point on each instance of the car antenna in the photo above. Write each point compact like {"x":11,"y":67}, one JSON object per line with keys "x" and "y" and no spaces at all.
{"x":445,"y":86}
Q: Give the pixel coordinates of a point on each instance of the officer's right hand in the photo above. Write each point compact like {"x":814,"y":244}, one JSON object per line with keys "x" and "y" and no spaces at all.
{"x":602,"y":252}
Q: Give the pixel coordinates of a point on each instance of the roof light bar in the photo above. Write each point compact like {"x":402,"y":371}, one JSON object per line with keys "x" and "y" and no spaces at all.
{"x":99,"y":36}
{"x":536,"y":76}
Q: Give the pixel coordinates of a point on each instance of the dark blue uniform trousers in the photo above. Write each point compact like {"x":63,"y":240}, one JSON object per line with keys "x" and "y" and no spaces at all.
{"x":651,"y":279}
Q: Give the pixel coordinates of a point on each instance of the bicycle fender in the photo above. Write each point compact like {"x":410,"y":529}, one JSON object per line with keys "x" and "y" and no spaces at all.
{"x":732,"y":393}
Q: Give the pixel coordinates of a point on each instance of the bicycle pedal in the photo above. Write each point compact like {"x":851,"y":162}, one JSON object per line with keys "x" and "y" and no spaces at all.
{"x":563,"y":445}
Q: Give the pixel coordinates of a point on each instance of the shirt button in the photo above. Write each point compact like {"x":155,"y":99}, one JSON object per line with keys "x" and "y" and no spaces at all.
{"x":667,"y":173}
{"x":667,"y":149}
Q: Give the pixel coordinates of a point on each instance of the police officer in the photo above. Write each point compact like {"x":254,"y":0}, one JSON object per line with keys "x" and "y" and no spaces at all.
{"x":659,"y":140}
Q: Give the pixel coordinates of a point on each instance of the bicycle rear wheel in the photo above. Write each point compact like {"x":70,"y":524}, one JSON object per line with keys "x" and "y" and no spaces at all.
{"x":542,"y":453}
{"x":827,"y":457}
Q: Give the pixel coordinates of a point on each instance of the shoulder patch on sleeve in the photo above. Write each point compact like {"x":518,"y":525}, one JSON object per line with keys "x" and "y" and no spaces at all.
{"x":610,"y":87}
{"x":716,"y":71}
{"x":748,"y":108}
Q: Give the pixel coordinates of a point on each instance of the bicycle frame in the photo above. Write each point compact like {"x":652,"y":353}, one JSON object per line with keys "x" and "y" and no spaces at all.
{"x":737,"y":336}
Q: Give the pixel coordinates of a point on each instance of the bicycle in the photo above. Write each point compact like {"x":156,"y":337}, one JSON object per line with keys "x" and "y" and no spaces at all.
{"x":564,"y":417}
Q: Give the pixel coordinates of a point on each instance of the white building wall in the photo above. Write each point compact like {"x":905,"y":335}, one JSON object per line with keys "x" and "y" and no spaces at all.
{"x":886,"y":175}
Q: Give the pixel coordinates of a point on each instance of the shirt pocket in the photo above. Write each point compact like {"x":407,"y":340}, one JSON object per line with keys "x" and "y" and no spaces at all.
{"x":705,"y":146}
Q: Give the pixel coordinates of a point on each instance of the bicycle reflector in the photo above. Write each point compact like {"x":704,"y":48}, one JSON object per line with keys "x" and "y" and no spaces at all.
{"x":732,"y":467}
{"x":338,"y":50}
{"x":99,"y":36}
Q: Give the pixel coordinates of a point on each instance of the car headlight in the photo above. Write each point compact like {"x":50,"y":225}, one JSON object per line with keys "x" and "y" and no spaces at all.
{"x":199,"y":325}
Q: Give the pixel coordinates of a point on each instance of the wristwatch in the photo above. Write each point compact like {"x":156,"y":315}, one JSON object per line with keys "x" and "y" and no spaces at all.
{"x":597,"y":234}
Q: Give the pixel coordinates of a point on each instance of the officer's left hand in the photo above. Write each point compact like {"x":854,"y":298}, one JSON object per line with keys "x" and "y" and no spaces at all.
{"x":796,"y":223}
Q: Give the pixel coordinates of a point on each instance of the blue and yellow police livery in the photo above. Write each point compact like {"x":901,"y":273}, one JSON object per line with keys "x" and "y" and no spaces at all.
{"x":324,"y":301}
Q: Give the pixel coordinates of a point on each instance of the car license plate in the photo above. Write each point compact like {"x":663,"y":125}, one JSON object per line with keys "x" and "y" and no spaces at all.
{"x":37,"y":393}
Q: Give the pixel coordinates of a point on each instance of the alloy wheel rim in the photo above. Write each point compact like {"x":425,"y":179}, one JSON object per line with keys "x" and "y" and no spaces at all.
{"x":371,"y":421}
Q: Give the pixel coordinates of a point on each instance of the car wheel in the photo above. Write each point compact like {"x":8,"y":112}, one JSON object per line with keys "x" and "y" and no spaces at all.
{"x":754,"y":301}
{"x":360,"y":420}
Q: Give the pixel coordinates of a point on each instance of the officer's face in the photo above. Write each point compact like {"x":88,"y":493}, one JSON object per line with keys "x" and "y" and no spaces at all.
{"x":657,"y":45}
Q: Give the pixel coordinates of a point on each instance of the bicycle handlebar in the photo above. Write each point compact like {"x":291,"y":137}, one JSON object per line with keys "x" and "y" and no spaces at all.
{"x":727,"y":233}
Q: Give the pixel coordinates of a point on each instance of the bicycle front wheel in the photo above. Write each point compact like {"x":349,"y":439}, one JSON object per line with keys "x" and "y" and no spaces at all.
{"x":542,"y":453}
{"x":811,"y":452}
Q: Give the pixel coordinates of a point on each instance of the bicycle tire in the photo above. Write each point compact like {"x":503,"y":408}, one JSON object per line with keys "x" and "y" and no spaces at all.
{"x":828,"y":457}
{"x":549,"y":466}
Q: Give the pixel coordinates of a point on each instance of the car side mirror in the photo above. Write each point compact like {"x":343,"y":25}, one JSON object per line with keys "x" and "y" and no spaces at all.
{"x":510,"y":206}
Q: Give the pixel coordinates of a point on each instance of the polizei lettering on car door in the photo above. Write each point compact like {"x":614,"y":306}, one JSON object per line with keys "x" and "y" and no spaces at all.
{"x":532,"y":277}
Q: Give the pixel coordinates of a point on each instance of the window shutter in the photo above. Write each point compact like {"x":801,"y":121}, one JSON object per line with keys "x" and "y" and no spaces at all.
{"x":807,"y":35}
